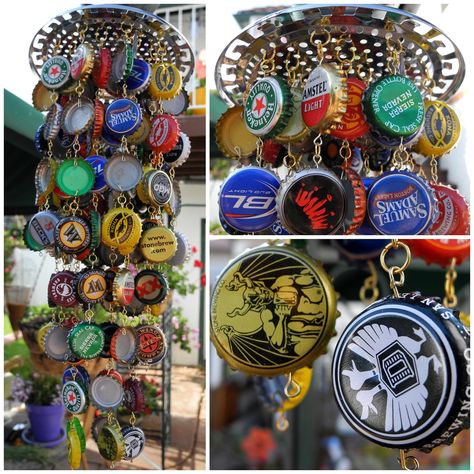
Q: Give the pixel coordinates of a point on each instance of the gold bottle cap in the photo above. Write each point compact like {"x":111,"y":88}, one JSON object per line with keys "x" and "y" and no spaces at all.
{"x":296,"y":130}
{"x":121,"y":228}
{"x":441,"y":130}
{"x":82,"y":62}
{"x":43,"y":99}
{"x":158,"y":244}
{"x":324,"y":97}
{"x":232,"y":136}
{"x":166,"y":81}
{"x":273,"y":310}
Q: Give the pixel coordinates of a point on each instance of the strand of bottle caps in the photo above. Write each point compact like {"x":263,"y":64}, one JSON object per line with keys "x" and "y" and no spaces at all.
{"x":401,"y":368}
{"x":334,"y":149}
{"x":273,"y":312}
{"x":108,"y":203}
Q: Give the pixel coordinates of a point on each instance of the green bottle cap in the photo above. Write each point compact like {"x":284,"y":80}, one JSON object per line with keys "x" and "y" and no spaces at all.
{"x":111,"y":443}
{"x":74,"y":397}
{"x":268,"y":107}
{"x":394,"y":105}
{"x":86,"y":340}
{"x":74,"y":424}
{"x":75,"y":177}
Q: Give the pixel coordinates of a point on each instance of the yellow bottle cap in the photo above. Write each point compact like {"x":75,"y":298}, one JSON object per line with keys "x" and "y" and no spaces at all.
{"x":121,"y":228}
{"x":166,"y":81}
{"x":232,"y":136}
{"x":441,"y":130}
{"x":158,"y":244}
{"x":273,"y":310}
{"x":302,"y":377}
{"x":73,"y":449}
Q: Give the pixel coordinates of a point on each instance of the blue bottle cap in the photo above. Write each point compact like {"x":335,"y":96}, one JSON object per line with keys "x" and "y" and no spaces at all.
{"x":123,"y":117}
{"x":98,"y":163}
{"x":248,"y":199}
{"x":277,"y":228}
{"x":400,"y":203}
{"x":139,"y":78}
{"x":40,"y":143}
{"x":77,"y":373}
{"x":228,"y":229}
{"x":110,"y":138}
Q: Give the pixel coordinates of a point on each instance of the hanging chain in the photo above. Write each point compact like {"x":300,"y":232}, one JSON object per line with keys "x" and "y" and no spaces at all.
{"x":434,"y":168}
{"x":317,"y":158}
{"x":396,"y":270}
{"x":450,"y":299}
{"x":267,"y":64}
{"x":292,"y":388}
{"x":320,"y":44}
{"x":369,"y":292}
{"x":408,"y":463}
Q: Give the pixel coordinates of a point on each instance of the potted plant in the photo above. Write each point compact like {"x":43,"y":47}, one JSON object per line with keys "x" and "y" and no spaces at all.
{"x":44,"y":406}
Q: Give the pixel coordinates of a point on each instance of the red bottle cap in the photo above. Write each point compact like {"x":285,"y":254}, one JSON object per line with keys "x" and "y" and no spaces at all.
{"x":440,"y":251}
{"x":164,"y":133}
{"x":270,"y":151}
{"x":453,"y":212}
{"x":102,"y":68}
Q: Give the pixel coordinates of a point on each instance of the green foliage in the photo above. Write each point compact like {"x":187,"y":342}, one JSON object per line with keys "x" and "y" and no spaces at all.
{"x":37,"y":389}
{"x":178,"y":279}
{"x":21,"y":349}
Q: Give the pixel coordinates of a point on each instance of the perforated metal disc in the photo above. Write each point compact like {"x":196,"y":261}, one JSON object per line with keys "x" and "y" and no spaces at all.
{"x":63,"y":30}
{"x":426,"y":47}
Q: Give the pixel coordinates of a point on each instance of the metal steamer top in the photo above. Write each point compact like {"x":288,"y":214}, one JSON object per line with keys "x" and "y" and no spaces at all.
{"x":61,"y":35}
{"x":430,"y":58}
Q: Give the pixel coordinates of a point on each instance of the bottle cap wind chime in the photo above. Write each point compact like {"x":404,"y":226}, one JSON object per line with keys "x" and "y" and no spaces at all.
{"x":111,"y":85}
{"x":401,"y":368}
{"x":330,"y":111}
{"x":273,"y":312}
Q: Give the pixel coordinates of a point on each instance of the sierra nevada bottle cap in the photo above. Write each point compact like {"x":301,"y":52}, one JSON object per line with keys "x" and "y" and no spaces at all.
{"x":273,"y":310}
{"x":401,"y":373}
{"x":56,"y":72}
{"x":312,"y":202}
{"x":441,"y":130}
{"x":166,"y":81}
{"x":86,"y":340}
{"x":394,"y":105}
{"x":247,"y":199}
{"x":353,"y":124}
{"x":400,"y":203}
{"x":134,"y":439}
{"x":268,"y":107}
{"x":151,"y":344}
{"x":151,"y":287}
{"x":74,"y":397}
{"x":158,"y":244}
{"x":232,"y":135}
{"x":324,"y":97}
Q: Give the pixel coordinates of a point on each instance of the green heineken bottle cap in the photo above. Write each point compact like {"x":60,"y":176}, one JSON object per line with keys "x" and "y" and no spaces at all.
{"x":394,"y":105}
{"x":56,"y":72}
{"x":74,"y":397}
{"x":268,"y":107}
{"x":86,"y":340}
